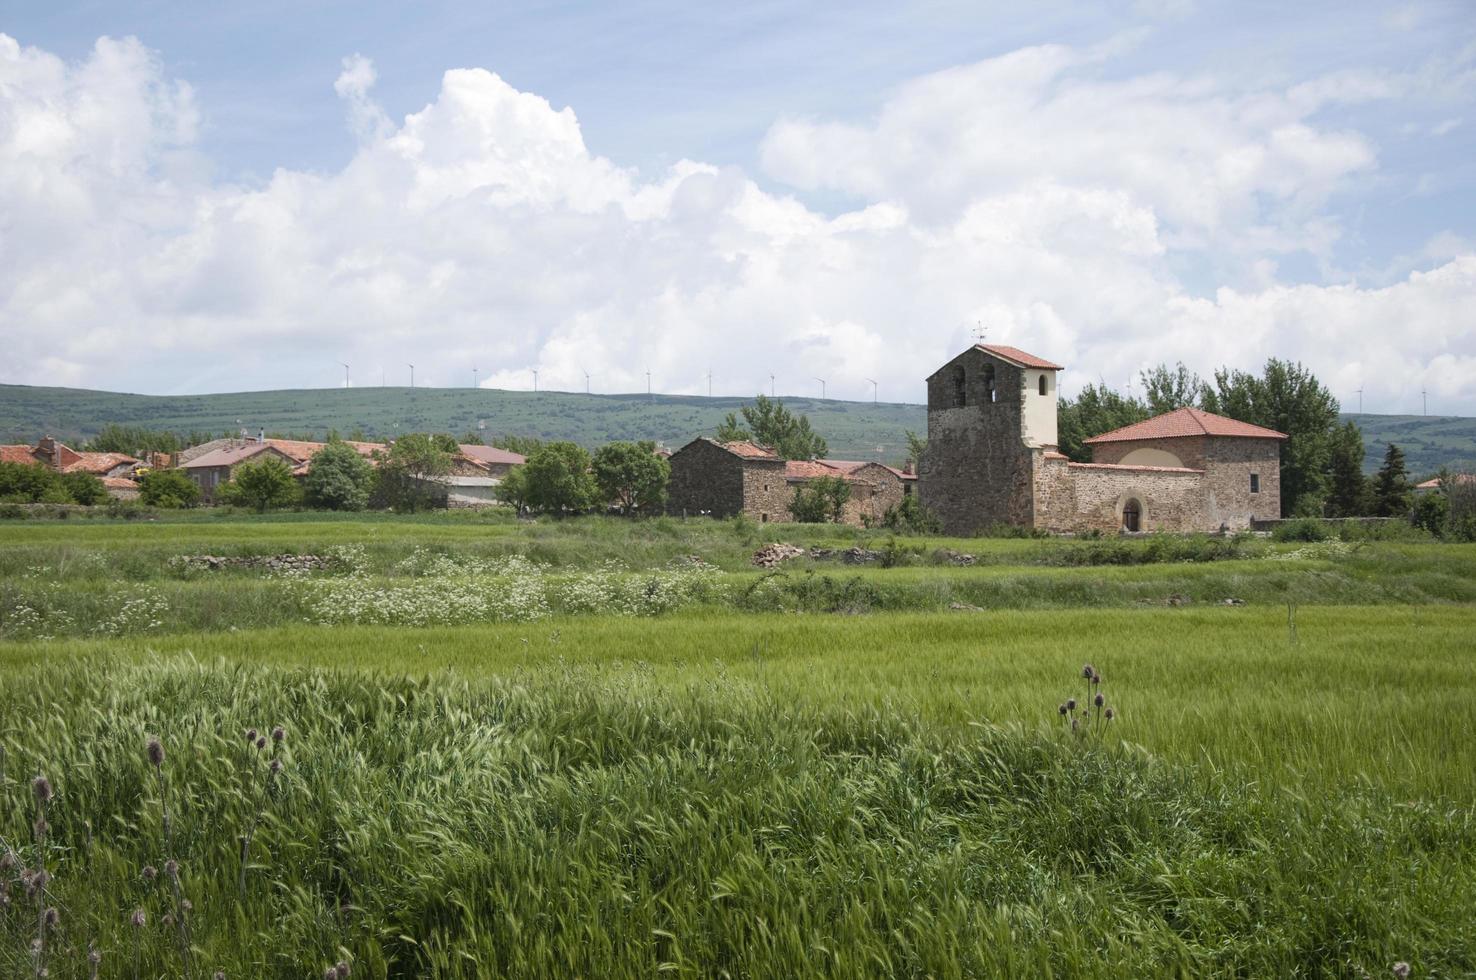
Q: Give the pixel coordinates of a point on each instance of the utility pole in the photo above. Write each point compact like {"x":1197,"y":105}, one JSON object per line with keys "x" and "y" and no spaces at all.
{"x":873,"y":390}
{"x":345,"y":374}
{"x":412,"y":375}
{"x":822,"y":388}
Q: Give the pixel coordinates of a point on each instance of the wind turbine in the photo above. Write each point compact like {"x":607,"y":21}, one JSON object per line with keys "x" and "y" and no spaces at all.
{"x":822,"y":388}
{"x":474,"y":375}
{"x":345,"y":374}
{"x":586,"y":382}
{"x":873,"y":390}
{"x":412,"y":375}
{"x":709,"y":382}
{"x":771,"y":386}
{"x":648,"y":385}
{"x":535,"y":379}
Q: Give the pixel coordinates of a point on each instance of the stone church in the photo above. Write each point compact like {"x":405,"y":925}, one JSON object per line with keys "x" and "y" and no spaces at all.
{"x":992,"y":458}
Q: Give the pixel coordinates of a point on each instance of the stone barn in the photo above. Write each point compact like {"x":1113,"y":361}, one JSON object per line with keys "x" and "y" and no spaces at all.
{"x":992,"y":458}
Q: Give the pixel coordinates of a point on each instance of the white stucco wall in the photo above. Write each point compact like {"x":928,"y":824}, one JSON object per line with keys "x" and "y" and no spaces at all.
{"x":1037,"y":411}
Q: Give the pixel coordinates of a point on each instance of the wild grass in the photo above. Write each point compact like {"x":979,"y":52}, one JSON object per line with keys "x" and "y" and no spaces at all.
{"x":607,"y":820}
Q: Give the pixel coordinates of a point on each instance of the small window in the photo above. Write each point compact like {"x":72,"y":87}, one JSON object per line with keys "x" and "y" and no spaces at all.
{"x":1255,"y":483}
{"x":989,"y":382}
{"x":1132,"y":516}
{"x":1042,"y":384}
{"x":763,"y":518}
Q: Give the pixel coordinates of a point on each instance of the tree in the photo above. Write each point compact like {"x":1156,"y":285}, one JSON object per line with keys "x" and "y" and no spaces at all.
{"x":1168,"y":389}
{"x":1391,"y":490}
{"x":821,"y":500}
{"x":1288,"y":398}
{"x":84,"y":488}
{"x":1097,"y":409}
{"x":338,"y":478}
{"x":1460,"y":496}
{"x":769,"y":423}
{"x":558,"y":479}
{"x":1347,"y":487}
{"x":446,"y":443}
{"x":168,"y":488}
{"x":911,"y":515}
{"x":471,"y":437}
{"x":916,"y":446}
{"x":1431,"y":512}
{"x":522,"y":445}
{"x":631,"y":476}
{"x":133,"y":440}
{"x":25,"y":483}
{"x":408,"y":470}
{"x":513,"y":489}
{"x":261,"y":485}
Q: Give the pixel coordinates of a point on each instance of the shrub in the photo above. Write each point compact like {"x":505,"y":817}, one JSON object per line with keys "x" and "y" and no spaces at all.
{"x":911,"y":515}
{"x":84,"y":488}
{"x":558,"y":479}
{"x":168,"y":488}
{"x":631,"y":476}
{"x":338,"y":478}
{"x":821,"y":500}
{"x":1302,"y":529}
{"x":24,"y":483}
{"x":405,"y":480}
{"x":261,"y":485}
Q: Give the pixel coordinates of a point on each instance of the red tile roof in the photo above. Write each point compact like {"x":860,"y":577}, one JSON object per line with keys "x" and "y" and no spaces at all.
{"x":97,"y":462}
{"x":231,"y":455}
{"x":1016,"y":356}
{"x":18,"y":454}
{"x":1463,"y":479}
{"x":493,"y":455}
{"x":748,"y":450}
{"x":1183,"y":423}
{"x":118,"y":483}
{"x":849,"y":466}
{"x":809,"y":469}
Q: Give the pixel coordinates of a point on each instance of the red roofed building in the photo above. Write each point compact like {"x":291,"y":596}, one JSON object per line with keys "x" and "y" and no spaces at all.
{"x":114,"y":469}
{"x":993,"y":458}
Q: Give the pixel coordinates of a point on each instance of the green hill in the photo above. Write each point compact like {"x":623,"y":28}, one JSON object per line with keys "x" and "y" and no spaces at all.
{"x":855,"y":430}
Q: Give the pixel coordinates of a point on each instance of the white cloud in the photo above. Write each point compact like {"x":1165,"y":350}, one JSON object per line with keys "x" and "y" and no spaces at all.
{"x":1024,"y":192}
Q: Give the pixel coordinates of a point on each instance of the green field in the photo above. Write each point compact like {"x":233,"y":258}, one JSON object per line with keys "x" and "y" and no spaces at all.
{"x":567,"y":749}
{"x":854,"y":430}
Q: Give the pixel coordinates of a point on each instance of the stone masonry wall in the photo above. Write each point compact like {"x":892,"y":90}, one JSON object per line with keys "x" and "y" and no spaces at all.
{"x":766,"y":493}
{"x":874,"y":491}
{"x":1081,"y":496}
{"x":976,"y":470}
{"x":1228,"y":470}
{"x":705,"y":478}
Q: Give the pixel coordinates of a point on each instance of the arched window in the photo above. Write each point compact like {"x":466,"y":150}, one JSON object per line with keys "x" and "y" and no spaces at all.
{"x":989,"y":382}
{"x":1042,"y":384}
{"x":1132,"y":516}
{"x":960,"y":388}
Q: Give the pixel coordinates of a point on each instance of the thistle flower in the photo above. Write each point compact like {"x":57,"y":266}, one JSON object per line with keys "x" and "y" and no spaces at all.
{"x":171,"y":868}
{"x":41,"y":786}
{"x":7,"y":860}
{"x":156,"y":753}
{"x":1096,"y":678}
{"x":1401,"y":969}
{"x":1087,"y":671}
{"x":1074,"y":723}
{"x":52,"y":918}
{"x":1108,"y":714}
{"x":37,"y":882}
{"x":218,"y":975}
{"x":40,"y":827}
{"x":1070,"y":704}
{"x":94,"y":957}
{"x":167,"y":921}
{"x":186,"y":906}
{"x":150,"y":872}
{"x":342,"y":970}
{"x":250,"y":735}
{"x":331,"y":973}
{"x":278,"y":733}
{"x":276,"y":766}
{"x":138,"y":919}
{"x":1099,"y":700}
{"x":1062,"y":709}
{"x":261,"y":742}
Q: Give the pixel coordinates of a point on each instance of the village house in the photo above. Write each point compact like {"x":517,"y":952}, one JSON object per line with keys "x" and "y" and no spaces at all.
{"x":722,"y":479}
{"x":993,"y":458}
{"x":115,"y":470}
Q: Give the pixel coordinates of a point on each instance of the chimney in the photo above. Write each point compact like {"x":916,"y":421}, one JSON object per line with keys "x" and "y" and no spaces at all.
{"x":907,"y":467}
{"x":51,"y":449}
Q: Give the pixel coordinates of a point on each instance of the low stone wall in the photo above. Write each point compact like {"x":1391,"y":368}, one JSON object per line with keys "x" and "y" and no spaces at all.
{"x":1085,"y":496}
{"x":275,"y":563}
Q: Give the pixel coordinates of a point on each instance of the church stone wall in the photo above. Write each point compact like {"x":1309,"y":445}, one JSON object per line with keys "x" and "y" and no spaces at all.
{"x":705,"y":478}
{"x":1228,"y":471}
{"x":1076,"y":497}
{"x":766,"y":493}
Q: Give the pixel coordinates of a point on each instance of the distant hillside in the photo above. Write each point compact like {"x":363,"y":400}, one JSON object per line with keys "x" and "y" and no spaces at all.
{"x":855,"y":430}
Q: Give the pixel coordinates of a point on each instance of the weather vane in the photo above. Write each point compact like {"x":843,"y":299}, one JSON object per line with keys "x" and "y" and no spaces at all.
{"x":980,"y":331}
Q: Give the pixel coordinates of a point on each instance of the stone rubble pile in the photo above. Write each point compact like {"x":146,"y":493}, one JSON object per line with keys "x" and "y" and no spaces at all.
{"x":275,"y":563}
{"x":774,"y":555}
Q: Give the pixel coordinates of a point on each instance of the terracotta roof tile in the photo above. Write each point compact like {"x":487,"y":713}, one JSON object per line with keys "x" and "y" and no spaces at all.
{"x":493,"y":455}
{"x":1183,"y":423}
{"x":748,"y":450}
{"x":809,"y":469}
{"x":18,"y":454}
{"x":118,"y":483}
{"x":1016,"y":356}
{"x":97,"y":462}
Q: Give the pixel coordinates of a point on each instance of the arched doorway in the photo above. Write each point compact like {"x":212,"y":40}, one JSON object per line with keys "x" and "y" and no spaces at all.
{"x":1132,"y":516}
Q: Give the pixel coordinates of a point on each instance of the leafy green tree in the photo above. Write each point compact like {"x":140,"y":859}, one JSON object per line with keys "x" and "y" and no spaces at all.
{"x":446,"y":443}
{"x":1460,"y":495}
{"x":768,"y":423}
{"x":512,"y":489}
{"x":133,"y":440}
{"x":1347,"y":487}
{"x":1169,"y":389}
{"x":916,"y":446}
{"x":821,"y":500}
{"x":522,"y":445}
{"x":1288,"y":398}
{"x":338,"y":478}
{"x":261,"y":484}
{"x":1391,"y":490}
{"x":631,"y":476}
{"x":407,"y":473}
{"x":1431,"y":511}
{"x":911,"y":515}
{"x":558,"y":479}
{"x":25,"y":483}
{"x":1097,"y":409}
{"x":471,"y":437}
{"x":168,"y":488}
{"x":84,"y":488}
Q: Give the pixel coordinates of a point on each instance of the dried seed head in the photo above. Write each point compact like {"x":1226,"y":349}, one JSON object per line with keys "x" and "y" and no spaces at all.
{"x":1070,"y":704}
{"x":1074,"y":723}
{"x":278,"y":733}
{"x":250,"y":735}
{"x":218,"y":975}
{"x":186,"y":906}
{"x":167,"y":921}
{"x":1062,"y":709}
{"x":150,"y":872}
{"x":1087,"y":671}
{"x":261,"y":742}
{"x":1096,"y":678}
{"x":138,"y":919}
{"x":341,"y":971}
{"x":171,"y":868}
{"x":7,"y":860}
{"x":276,"y":766}
{"x":156,"y":753}
{"x":40,"y":827}
{"x":1099,"y":700}
{"x":1109,"y":714}
{"x":52,"y":918}
{"x":1401,"y":969}
{"x":41,"y":786}
{"x":331,"y":973}
{"x":94,"y":957}
{"x":37,"y":882}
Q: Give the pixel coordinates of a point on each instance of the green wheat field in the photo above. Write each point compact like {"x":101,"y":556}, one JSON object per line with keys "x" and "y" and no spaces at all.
{"x":605,"y":748}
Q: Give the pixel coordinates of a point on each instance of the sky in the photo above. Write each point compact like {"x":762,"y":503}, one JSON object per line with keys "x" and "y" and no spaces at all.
{"x":199,"y":198}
